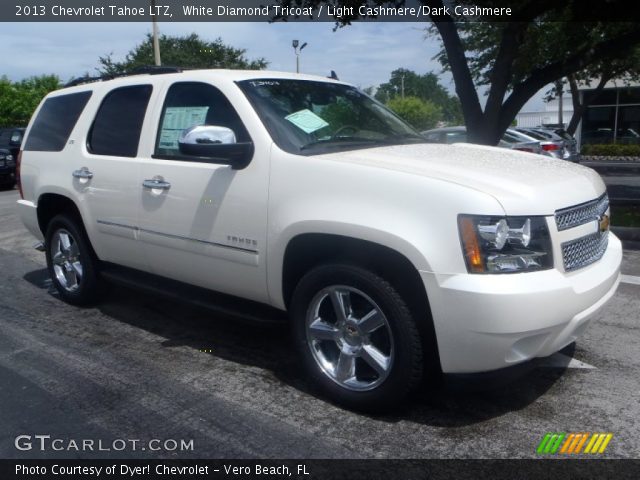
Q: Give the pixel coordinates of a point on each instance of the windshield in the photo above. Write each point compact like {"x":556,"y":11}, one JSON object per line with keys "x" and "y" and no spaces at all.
{"x":310,"y":117}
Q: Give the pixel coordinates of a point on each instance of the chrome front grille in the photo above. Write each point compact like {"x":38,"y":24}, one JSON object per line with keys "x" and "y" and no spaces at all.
{"x":584,"y":251}
{"x":580,"y":214}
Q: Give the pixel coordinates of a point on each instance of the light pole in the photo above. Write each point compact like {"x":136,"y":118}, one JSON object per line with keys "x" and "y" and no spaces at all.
{"x":156,"y":42}
{"x":297,"y":50}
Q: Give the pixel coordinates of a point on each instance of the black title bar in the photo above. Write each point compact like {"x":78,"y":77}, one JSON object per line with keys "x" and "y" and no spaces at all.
{"x":565,"y":469}
{"x":274,"y":10}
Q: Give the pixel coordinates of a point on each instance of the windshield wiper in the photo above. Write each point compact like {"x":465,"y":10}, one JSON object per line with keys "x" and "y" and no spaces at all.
{"x":406,"y":136}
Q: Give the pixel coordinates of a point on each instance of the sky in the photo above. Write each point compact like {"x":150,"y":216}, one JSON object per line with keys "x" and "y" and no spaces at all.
{"x":363,"y":54}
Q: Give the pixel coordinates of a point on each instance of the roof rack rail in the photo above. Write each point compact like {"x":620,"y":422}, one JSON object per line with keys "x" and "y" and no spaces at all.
{"x":154,"y":70}
{"x":141,"y":70}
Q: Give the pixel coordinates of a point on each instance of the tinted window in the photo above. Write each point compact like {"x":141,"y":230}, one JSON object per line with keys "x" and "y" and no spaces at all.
{"x":605,"y":97}
{"x":116,"y":129}
{"x":190,"y":104}
{"x":630,"y":95}
{"x":55,"y":121}
{"x":534,"y":134}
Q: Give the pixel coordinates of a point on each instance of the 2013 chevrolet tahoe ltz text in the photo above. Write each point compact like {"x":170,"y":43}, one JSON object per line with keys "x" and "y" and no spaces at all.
{"x":395,"y":258}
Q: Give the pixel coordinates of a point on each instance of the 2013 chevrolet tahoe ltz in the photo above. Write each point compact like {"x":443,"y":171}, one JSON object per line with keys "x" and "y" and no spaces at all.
{"x":392,"y":256}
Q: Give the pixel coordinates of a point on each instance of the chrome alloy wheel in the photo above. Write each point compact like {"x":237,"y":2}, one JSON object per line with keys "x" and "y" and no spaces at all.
{"x":65,"y":257}
{"x":349,"y":337}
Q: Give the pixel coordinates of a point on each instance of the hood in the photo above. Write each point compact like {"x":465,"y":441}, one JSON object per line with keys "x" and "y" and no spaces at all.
{"x":523,"y":183}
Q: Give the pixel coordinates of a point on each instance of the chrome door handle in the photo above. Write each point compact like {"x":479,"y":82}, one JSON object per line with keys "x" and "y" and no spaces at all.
{"x":82,"y":173}
{"x":156,"y":183}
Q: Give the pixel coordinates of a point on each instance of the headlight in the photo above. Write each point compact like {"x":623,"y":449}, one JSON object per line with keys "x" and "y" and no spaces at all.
{"x":505,"y":244}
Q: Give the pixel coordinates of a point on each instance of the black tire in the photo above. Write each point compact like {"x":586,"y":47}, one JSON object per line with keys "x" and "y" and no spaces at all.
{"x":88,"y":286}
{"x":405,"y":371}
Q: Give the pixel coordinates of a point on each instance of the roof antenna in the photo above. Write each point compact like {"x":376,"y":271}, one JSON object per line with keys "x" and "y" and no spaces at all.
{"x":333,"y":75}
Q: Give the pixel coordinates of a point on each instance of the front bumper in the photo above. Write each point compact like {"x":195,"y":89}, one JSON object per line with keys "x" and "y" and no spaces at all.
{"x":28,"y":212}
{"x":487,"y":322}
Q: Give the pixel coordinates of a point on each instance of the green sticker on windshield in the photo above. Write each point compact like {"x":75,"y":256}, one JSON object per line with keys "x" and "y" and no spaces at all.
{"x":307,"y":121}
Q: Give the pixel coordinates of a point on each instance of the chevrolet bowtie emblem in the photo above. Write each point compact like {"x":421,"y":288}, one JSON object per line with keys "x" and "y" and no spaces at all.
{"x":603,"y":223}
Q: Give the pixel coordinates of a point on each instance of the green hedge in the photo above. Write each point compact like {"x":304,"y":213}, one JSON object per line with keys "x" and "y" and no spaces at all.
{"x":611,"y":150}
{"x":625,"y":216}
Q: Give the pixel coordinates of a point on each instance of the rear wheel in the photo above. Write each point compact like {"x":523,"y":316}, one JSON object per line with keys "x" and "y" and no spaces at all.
{"x":356,"y":336}
{"x":71,"y":262}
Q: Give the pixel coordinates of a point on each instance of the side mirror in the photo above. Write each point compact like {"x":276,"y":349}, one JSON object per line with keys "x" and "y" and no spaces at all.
{"x":215,"y":144}
{"x":207,"y":134}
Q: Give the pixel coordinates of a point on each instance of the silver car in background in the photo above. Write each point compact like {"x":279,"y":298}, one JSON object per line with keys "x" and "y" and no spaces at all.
{"x":511,"y":139}
{"x":552,"y":143}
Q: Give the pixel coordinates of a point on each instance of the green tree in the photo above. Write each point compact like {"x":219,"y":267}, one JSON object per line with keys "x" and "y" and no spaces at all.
{"x":421,"y":114}
{"x":517,"y":56}
{"x":515,"y":60}
{"x":189,"y":51}
{"x":425,"y":87}
{"x":18,"y":100}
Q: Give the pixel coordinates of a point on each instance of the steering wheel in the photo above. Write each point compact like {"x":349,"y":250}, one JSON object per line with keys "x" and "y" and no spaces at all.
{"x":345,"y":128}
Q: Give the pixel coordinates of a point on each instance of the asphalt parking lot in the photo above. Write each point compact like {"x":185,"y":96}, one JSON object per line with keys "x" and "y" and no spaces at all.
{"x":141,"y":367}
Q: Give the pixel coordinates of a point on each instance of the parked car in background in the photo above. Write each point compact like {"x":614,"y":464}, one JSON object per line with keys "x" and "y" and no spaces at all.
{"x":552,"y":144}
{"x":7,"y":169}
{"x":10,"y":142}
{"x":623,"y":136}
{"x":570,"y":142}
{"x":11,"y":139}
{"x":524,"y":142}
{"x":458,"y":134}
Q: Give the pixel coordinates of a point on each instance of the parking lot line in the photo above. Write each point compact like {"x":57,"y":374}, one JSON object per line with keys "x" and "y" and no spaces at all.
{"x":632,"y":279}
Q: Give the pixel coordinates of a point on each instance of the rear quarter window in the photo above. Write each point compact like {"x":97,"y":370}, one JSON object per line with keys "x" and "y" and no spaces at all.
{"x":55,"y":122}
{"x":118,"y":123}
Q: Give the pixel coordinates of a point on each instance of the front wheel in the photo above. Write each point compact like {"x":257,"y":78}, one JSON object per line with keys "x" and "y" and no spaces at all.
{"x":357,"y":337}
{"x":71,"y":262}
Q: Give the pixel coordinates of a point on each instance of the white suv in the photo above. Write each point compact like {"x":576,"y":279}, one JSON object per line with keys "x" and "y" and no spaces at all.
{"x":395,"y":258}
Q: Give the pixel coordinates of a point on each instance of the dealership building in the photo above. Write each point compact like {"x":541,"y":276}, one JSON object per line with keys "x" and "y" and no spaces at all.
{"x":612,"y":117}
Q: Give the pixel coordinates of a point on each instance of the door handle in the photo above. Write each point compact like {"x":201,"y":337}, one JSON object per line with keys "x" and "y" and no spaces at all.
{"x":82,"y":173}
{"x":156,"y":183}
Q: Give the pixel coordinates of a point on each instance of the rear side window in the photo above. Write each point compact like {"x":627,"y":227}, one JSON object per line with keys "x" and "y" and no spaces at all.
{"x":116,"y":128}
{"x":55,"y":121}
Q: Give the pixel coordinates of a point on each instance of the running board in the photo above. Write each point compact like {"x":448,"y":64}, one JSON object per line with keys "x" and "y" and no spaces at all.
{"x":200,"y":297}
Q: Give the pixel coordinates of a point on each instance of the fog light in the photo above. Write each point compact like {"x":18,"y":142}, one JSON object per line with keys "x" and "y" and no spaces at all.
{"x":513,"y":262}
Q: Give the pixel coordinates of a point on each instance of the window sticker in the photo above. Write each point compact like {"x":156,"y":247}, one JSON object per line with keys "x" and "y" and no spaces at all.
{"x":177,"y":119}
{"x":307,"y":121}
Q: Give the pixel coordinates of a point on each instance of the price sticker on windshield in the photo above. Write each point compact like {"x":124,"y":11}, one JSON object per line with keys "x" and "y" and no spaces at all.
{"x":307,"y":121}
